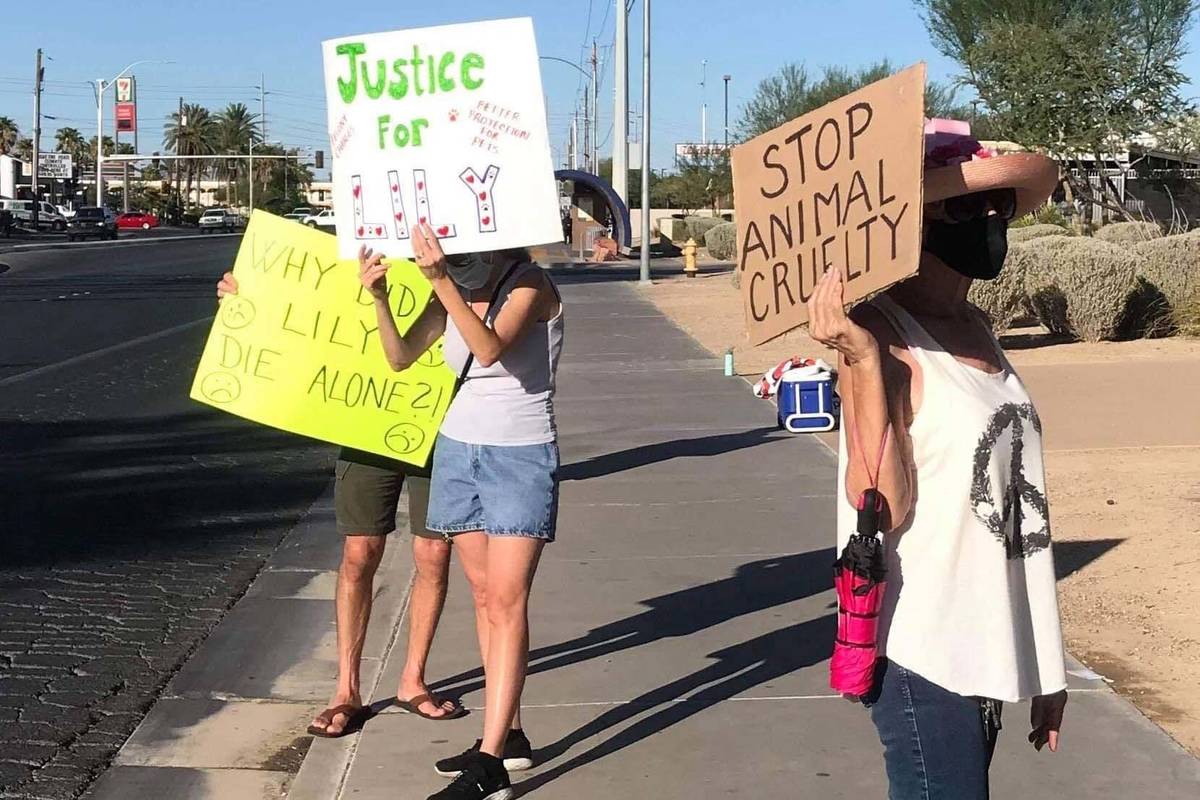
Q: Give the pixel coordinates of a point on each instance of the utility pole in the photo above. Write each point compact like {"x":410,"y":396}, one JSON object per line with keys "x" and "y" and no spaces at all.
{"x":37,"y":135}
{"x":595,"y":113}
{"x":620,"y":157}
{"x":587,"y":129}
{"x":645,"y":265}
{"x":703,"y":102}
{"x":574,"y":149}
{"x":99,"y":142}
{"x":262,"y":102}
{"x":726,"y":79}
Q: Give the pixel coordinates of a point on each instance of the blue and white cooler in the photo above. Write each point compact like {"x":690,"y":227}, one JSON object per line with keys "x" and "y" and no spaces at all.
{"x":807,"y":402}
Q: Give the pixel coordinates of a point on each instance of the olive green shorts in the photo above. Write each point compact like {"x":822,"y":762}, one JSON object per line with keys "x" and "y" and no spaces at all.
{"x":367,"y":493}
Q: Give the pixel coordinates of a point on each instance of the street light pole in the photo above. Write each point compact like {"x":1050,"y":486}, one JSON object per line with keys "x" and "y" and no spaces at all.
{"x":726,"y":79}
{"x":101,"y":85}
{"x":620,"y":157}
{"x":37,"y":135}
{"x":703,"y":102}
{"x":645,"y":265}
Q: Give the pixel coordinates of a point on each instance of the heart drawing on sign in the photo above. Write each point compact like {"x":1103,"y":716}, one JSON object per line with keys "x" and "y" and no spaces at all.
{"x":357,"y":191}
{"x":360,"y":230}
{"x":378,"y":230}
{"x":442,"y":231}
{"x":486,"y":220}
{"x":483,"y":195}
{"x":420,"y":186}
{"x":399,"y":216}
{"x":395,"y":188}
{"x":470,"y":179}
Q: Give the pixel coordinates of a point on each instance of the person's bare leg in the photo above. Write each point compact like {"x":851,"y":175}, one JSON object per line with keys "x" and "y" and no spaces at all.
{"x":511,"y":564}
{"x":432,"y":560}
{"x":352,"y":603}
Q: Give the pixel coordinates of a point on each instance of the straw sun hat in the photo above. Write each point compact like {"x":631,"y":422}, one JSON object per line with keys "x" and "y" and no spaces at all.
{"x":957,"y":164}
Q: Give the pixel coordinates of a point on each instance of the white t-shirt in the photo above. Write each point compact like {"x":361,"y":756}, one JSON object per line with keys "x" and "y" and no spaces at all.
{"x":971,"y":601}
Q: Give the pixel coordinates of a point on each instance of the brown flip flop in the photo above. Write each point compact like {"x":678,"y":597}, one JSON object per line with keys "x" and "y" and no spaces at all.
{"x":413,"y":706}
{"x":356,"y":717}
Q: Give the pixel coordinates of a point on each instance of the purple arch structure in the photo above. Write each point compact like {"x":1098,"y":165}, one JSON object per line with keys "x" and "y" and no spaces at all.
{"x":622,"y":231}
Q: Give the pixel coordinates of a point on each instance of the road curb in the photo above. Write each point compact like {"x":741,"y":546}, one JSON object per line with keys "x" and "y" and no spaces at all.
{"x":39,"y":246}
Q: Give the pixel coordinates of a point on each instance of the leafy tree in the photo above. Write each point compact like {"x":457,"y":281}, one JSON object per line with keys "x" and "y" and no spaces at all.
{"x":1072,"y":77}
{"x":71,"y":142}
{"x":1180,"y":136}
{"x":236,"y":129}
{"x":792,"y":91}
{"x":23,"y":149}
{"x":195,"y":134}
{"x":9,"y":133}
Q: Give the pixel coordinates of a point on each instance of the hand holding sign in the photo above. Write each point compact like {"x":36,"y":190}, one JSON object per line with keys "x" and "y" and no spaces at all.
{"x":829,"y":324}
{"x":838,"y":188}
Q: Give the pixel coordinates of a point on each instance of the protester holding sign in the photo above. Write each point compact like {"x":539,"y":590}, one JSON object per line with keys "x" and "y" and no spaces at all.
{"x":495,"y":469}
{"x":970,"y":615}
{"x":366,"y":495}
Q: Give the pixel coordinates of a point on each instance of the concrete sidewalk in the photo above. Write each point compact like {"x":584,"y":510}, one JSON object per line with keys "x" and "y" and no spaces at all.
{"x":681,"y":626}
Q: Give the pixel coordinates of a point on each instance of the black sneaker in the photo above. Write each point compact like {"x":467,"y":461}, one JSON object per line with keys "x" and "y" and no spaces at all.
{"x":518,"y":756}
{"x":483,"y":778}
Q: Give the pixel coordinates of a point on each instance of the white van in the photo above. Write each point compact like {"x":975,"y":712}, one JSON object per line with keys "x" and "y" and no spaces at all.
{"x":22,"y":212}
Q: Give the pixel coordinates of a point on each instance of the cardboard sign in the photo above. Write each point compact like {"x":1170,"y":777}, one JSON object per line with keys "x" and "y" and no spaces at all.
{"x":443,"y":125}
{"x":298,"y":348}
{"x":839,"y":187}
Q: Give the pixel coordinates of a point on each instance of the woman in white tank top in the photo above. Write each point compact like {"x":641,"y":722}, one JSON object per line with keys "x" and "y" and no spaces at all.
{"x":494,"y":487}
{"x":970,"y":616}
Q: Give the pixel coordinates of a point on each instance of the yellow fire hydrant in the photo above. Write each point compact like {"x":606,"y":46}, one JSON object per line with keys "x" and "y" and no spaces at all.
{"x":689,"y":258}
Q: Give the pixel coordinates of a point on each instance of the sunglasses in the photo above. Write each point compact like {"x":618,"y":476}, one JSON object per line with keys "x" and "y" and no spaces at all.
{"x":967,"y":207}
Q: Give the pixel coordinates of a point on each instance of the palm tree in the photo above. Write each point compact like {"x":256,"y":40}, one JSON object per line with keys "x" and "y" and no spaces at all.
{"x":23,"y":149}
{"x":8,"y":135}
{"x":70,"y":141}
{"x":196,"y":134}
{"x":237,"y":129}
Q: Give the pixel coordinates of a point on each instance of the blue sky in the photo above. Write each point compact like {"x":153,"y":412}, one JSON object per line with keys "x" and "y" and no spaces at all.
{"x":220,"y":52}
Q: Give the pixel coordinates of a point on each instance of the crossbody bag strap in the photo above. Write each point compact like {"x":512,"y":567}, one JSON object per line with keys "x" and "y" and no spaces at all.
{"x":462,"y":377}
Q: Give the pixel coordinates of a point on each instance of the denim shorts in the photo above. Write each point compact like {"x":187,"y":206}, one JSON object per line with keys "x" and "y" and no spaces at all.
{"x":509,"y":490}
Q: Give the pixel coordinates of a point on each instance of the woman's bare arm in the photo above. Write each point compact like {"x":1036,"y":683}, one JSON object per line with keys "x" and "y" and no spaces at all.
{"x":401,"y":351}
{"x":874,"y":391}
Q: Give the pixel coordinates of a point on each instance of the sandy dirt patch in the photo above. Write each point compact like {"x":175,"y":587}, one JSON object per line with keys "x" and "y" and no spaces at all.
{"x":1122,"y":423}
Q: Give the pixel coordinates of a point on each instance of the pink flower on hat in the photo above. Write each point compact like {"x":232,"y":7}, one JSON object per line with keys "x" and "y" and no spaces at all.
{"x":949,"y":142}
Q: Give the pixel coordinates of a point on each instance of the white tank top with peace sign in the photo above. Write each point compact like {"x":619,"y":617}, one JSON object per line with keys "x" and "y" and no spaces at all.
{"x":971,"y":602}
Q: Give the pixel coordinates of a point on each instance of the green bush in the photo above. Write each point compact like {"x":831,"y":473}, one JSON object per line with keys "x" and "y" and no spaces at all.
{"x":1080,"y":286}
{"x":1168,"y":271}
{"x":1004,"y":299}
{"x":1047,"y":214}
{"x":1186,"y":316}
{"x":694,"y":227}
{"x":721,"y":241}
{"x":1035,"y":231}
{"x":1129,"y":232}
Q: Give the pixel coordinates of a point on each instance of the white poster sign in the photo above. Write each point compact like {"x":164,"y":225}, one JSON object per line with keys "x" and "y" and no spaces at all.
{"x":55,"y":166}
{"x":444,"y":125}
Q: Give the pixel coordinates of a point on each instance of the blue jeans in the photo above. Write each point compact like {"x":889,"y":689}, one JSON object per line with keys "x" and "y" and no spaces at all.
{"x":937,"y":745}
{"x":500,"y":490}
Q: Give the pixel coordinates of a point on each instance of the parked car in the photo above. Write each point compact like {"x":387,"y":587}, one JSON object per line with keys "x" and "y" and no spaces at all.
{"x":219,"y":219}
{"x":49,"y":217}
{"x":92,"y":221}
{"x":295,"y":216}
{"x":303,"y":211}
{"x":137,"y":219}
{"x":324,"y":219}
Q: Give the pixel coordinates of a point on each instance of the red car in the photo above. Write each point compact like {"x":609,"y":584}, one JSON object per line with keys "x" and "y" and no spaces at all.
{"x":137,"y":219}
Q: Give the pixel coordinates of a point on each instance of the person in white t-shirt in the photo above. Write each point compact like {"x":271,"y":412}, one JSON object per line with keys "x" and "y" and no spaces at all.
{"x":970,"y":616}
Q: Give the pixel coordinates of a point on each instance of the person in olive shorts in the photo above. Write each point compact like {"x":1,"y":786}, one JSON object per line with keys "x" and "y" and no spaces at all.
{"x":366,"y":498}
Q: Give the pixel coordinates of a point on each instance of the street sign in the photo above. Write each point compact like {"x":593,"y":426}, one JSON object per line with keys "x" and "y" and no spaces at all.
{"x":126,"y":116}
{"x":699,"y":150}
{"x":125,"y":90}
{"x":54,"y":166}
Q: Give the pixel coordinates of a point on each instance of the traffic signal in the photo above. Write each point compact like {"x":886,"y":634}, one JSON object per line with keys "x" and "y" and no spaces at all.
{"x":154,"y":161}
{"x":319,"y":159}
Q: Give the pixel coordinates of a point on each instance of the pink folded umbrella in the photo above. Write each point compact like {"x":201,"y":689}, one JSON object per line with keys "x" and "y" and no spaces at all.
{"x":859,"y":578}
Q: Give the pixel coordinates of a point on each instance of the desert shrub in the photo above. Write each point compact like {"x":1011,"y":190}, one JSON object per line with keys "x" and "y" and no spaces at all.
{"x":1004,"y":299}
{"x":721,"y":241}
{"x":694,"y":227}
{"x":1170,"y":269}
{"x":1186,"y":316}
{"x":1079,"y":286}
{"x":1129,"y":232}
{"x":1047,"y":214}
{"x":1035,"y":231}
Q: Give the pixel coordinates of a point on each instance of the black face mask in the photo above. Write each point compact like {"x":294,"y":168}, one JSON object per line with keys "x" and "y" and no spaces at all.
{"x":974,"y":249}
{"x":468,"y":270}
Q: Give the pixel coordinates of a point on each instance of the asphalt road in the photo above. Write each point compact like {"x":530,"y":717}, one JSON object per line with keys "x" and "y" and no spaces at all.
{"x":131,"y":517}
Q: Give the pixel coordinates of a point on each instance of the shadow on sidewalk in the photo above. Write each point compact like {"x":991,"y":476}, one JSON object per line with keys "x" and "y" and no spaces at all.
{"x":737,"y":669}
{"x":753,"y":587}
{"x":645,"y":455}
